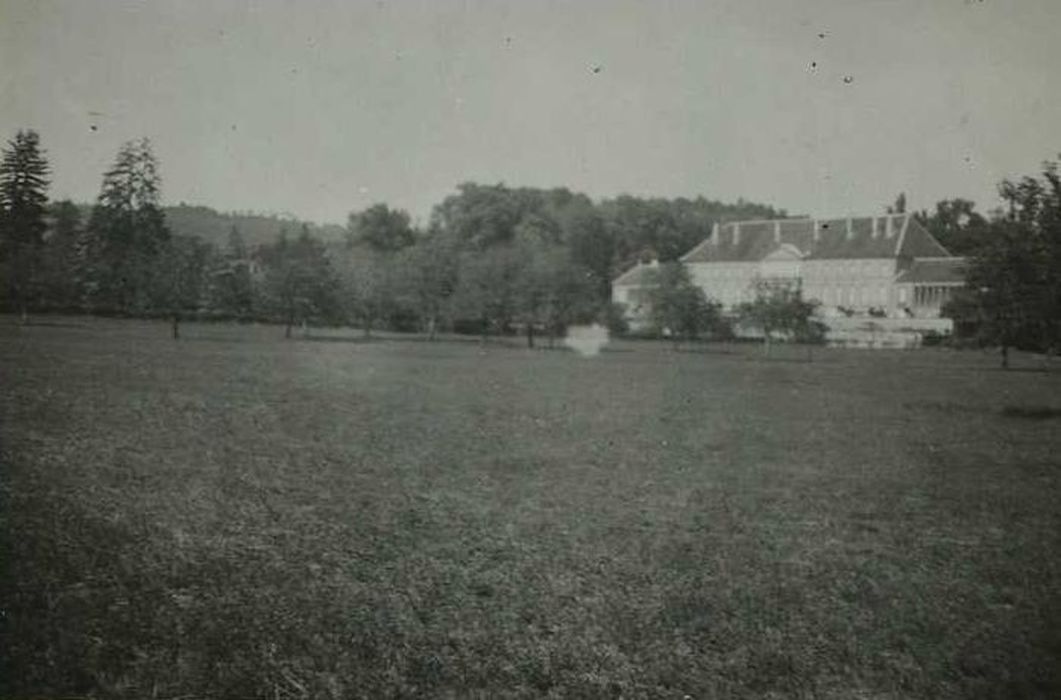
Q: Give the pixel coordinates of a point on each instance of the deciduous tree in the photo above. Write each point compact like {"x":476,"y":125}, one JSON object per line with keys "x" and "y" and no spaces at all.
{"x":487,"y":292}
{"x":381,"y":228}
{"x":552,"y":291}
{"x":232,"y":289}
{"x":369,"y":284}
{"x":428,"y":273}
{"x":956,"y":225}
{"x":299,"y":281}
{"x":180,"y":278}
{"x":779,"y":308}
{"x":679,"y":307}
{"x":1013,"y":290}
{"x":62,"y":256}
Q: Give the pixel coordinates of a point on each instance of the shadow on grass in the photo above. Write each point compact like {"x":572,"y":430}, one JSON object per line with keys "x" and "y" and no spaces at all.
{"x":187,"y":338}
{"x":1031,"y":412}
{"x":492,"y":342}
{"x":1022,"y":370}
{"x":789,"y":359}
{"x":355,"y":340}
{"x":705,"y":350}
{"x":42,"y":324}
{"x":299,"y":338}
{"x":950,"y":407}
{"x":508,"y":343}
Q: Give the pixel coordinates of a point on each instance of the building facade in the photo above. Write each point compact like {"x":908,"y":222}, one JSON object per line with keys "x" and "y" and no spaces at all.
{"x":866,"y":267}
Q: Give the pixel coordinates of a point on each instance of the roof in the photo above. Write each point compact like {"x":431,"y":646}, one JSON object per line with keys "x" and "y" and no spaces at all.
{"x":890,"y":236}
{"x":638,"y":275}
{"x":934,"y":271}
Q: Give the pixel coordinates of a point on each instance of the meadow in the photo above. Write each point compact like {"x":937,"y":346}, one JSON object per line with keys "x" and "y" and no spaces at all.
{"x":235,"y":515}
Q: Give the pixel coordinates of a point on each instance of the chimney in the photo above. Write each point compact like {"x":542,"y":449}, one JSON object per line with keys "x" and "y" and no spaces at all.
{"x":874,"y":227}
{"x":850,"y":231}
{"x":777,"y":232}
{"x":889,"y":230}
{"x":714,"y":233}
{"x":736,"y":234}
{"x":815,"y":230}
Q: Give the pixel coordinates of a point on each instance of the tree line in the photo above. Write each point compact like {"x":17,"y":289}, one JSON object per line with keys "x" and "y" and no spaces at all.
{"x":491,"y":259}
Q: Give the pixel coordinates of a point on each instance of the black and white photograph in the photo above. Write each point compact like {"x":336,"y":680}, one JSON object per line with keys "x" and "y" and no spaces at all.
{"x":625,"y":349}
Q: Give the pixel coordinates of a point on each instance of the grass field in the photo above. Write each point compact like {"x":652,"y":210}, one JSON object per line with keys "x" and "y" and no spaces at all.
{"x":234,"y":515}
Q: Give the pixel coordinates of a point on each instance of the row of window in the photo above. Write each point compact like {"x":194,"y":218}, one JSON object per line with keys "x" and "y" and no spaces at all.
{"x":853,"y":269}
{"x":850,"y":296}
{"x":855,"y":296}
{"x":838,"y":296}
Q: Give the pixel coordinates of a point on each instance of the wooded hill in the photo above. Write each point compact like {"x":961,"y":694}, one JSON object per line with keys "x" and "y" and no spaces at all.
{"x":214,"y":227}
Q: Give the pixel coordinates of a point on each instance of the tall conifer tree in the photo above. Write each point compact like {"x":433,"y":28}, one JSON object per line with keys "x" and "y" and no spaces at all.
{"x":23,"y":205}
{"x":127,"y":230}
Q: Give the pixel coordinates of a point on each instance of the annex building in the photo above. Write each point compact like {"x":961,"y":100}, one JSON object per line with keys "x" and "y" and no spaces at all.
{"x":865,"y":268}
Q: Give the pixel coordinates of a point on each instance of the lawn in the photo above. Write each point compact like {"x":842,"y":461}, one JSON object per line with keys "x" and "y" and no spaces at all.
{"x":235,"y":515}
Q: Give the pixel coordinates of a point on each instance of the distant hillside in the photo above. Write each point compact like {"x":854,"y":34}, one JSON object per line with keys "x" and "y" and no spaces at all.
{"x":214,"y":227}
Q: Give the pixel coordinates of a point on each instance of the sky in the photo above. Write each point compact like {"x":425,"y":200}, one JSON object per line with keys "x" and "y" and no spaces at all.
{"x":316,"y":108}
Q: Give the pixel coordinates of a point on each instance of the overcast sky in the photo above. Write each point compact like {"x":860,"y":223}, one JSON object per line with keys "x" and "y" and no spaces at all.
{"x":823,"y":107}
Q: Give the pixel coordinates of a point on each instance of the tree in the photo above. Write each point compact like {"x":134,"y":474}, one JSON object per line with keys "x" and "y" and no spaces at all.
{"x":232,"y":289}
{"x":899,"y":207}
{"x":381,"y":228}
{"x":62,"y":256}
{"x":23,"y":201}
{"x":370,"y":266}
{"x":669,"y":228}
{"x":779,"y":307}
{"x":679,"y":307}
{"x":487,"y":290}
{"x":299,"y":281}
{"x":428,"y":273}
{"x":956,"y":225}
{"x":638,"y":224}
{"x":600,"y":238}
{"x":180,"y":278}
{"x":1003,"y":293}
{"x":237,"y":249}
{"x":127,"y":231}
{"x":534,"y":287}
{"x":553,"y":292}
{"x":481,"y":216}
{"x":368,"y":285}
{"x":1013,"y":285}
{"x":592,"y":248}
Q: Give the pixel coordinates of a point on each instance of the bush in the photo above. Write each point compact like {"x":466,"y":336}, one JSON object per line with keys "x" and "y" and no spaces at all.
{"x":934,"y":339}
{"x":613,"y":316}
{"x":470,"y":326}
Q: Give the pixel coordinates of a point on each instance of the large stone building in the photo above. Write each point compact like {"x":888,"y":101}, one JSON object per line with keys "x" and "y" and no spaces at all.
{"x":876,"y":267}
